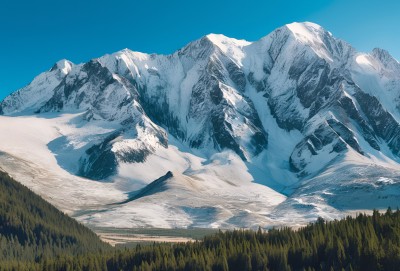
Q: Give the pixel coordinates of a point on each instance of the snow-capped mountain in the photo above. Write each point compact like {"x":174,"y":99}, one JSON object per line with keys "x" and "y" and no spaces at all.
{"x":223,"y":132}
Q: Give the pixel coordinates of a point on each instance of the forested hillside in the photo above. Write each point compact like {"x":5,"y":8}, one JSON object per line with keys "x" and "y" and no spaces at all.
{"x":32,"y":230}
{"x":36,"y":236}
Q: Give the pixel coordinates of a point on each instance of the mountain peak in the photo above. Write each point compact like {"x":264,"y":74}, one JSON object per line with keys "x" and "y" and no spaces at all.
{"x":223,"y":41}
{"x":321,"y":41}
{"x":308,"y":32}
{"x":309,"y":25}
{"x":229,"y":46}
{"x":385,"y":57}
{"x":63,"y":65}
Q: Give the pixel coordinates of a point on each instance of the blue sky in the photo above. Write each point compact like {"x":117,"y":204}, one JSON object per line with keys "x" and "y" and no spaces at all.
{"x":35,"y":34}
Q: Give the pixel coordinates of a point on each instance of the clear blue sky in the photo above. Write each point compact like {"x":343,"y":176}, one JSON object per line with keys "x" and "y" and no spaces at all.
{"x":35,"y":34}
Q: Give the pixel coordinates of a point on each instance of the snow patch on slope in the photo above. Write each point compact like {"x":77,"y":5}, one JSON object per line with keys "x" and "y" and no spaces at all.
{"x":229,"y":46}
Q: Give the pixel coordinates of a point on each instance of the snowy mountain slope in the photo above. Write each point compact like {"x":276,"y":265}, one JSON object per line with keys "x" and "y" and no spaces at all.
{"x":38,"y":91}
{"x":221,"y":184}
{"x":352,"y":183}
{"x":292,"y":115}
{"x":24,"y":153}
{"x":199,"y":198}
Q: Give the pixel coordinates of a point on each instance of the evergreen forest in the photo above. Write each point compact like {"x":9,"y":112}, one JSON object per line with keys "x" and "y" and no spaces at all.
{"x":36,"y":236}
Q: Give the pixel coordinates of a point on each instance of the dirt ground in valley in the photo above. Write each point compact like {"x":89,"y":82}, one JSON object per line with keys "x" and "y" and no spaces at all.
{"x":115,"y":239}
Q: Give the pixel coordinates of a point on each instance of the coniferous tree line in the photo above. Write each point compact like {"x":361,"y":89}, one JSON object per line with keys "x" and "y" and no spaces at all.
{"x":32,"y":230}
{"x":360,"y":243}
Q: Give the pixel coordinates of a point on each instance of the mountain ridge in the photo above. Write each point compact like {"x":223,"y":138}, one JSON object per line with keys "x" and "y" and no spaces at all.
{"x":295,"y":106}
